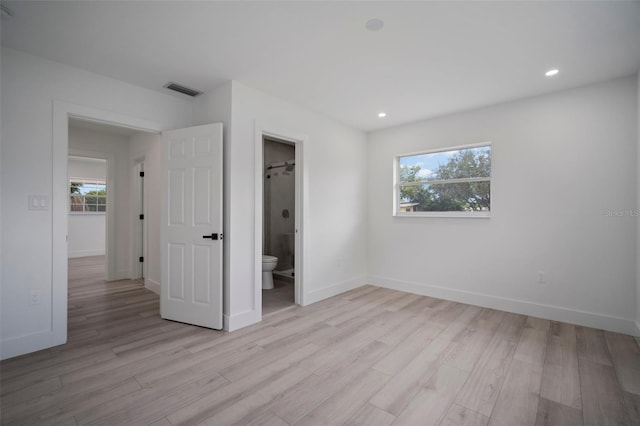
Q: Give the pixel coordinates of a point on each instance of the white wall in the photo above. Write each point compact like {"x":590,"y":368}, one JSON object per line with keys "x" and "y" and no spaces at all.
{"x":637,"y":330}
{"x":560,"y":162}
{"x":334,"y":176}
{"x":87,"y":231}
{"x":148,"y":147}
{"x":87,"y":235}
{"x":1,"y":202}
{"x":29,"y":87}
{"x":85,"y":167}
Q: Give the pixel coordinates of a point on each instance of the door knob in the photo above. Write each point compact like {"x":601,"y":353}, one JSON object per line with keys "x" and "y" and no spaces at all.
{"x":212,"y":236}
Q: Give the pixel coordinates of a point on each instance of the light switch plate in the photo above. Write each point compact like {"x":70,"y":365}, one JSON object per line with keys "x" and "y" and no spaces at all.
{"x":38,"y":202}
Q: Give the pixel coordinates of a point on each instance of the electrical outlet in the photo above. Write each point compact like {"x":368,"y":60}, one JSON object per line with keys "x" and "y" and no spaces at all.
{"x":542,"y":277}
{"x":34,"y":297}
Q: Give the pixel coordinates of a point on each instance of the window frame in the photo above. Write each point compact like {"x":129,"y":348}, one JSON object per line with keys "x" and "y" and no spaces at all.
{"x":442,"y":214}
{"x":93,"y":181}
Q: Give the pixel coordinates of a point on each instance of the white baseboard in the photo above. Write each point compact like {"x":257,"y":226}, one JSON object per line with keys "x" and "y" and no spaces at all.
{"x":550,"y":312}
{"x":241,"y":320}
{"x":333,"y":290}
{"x":152,"y":285}
{"x":28,"y":343}
{"x":85,"y":253}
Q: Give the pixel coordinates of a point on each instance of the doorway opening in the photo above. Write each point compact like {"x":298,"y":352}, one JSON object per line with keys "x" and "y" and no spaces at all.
{"x":66,"y":116}
{"x":87,"y":210}
{"x":116,"y":193}
{"x":278,"y":224}
{"x":290,"y":239}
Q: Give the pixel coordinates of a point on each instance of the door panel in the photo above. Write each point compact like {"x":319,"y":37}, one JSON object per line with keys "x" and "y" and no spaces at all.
{"x":176,"y":271}
{"x":202,"y":208}
{"x":176,"y":197}
{"x":192,"y":209}
{"x":202,"y":265}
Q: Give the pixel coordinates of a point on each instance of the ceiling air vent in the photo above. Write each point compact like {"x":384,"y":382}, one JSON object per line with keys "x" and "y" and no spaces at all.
{"x":182,"y":89}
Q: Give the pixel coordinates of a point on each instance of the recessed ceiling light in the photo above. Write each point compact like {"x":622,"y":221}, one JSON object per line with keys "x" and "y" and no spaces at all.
{"x":382,"y":114}
{"x":374,"y":24}
{"x":552,"y":72}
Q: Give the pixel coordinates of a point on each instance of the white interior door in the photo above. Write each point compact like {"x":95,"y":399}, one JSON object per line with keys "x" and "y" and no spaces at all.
{"x":192,"y":225}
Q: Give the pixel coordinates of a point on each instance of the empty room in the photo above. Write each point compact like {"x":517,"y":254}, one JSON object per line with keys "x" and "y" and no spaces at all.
{"x":320,"y":213}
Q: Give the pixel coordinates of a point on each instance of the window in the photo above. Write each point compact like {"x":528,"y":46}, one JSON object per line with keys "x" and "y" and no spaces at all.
{"x":454,"y":183}
{"x":87,"y":195}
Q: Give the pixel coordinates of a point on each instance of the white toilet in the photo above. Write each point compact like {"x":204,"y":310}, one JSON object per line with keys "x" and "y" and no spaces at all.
{"x":269,"y":263}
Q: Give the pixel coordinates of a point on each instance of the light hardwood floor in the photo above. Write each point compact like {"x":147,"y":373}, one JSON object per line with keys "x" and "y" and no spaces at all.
{"x":371,"y":356}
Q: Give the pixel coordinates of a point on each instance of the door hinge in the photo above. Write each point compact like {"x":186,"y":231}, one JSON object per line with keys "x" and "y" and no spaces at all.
{"x":141,"y":174}
{"x":141,"y":259}
{"x":141,"y":217}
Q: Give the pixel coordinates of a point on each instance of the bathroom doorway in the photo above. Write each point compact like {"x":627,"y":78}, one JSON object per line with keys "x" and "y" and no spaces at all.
{"x":278,"y":224}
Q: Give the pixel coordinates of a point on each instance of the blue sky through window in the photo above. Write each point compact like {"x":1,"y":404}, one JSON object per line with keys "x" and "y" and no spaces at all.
{"x":429,"y":163}
{"x":86,"y":186}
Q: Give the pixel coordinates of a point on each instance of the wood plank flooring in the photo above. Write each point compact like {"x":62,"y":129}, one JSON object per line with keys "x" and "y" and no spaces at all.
{"x":371,"y":357}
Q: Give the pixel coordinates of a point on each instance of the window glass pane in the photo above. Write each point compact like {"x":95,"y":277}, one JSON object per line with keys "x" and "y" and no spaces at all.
{"x":75,"y":187}
{"x":455,"y":164}
{"x":75,"y":207}
{"x":446,"y":197}
{"x":87,"y":195}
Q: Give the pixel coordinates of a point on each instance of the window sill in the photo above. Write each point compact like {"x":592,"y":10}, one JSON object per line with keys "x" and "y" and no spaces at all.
{"x":455,"y":215}
{"x":87,"y":213}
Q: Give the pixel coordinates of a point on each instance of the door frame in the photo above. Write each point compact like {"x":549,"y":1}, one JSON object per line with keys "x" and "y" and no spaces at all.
{"x":62,"y":111}
{"x":138,"y":226}
{"x":299,"y":141}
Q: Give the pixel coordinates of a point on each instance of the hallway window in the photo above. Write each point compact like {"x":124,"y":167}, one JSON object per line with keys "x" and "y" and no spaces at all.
{"x":87,"y":195}
{"x":454,"y":182}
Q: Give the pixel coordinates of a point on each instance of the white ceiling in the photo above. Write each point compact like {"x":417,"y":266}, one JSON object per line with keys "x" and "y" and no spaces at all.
{"x":430,"y":59}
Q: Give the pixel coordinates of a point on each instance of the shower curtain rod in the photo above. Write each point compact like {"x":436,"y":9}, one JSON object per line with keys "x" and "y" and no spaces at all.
{"x":286,"y":164}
